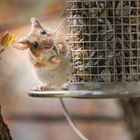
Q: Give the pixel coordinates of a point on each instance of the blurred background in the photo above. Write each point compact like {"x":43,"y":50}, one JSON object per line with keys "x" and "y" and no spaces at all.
{"x":42,"y":119}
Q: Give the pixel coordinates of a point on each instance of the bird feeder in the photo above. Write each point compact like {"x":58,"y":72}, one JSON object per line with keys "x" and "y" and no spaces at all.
{"x":104,"y":37}
{"x":104,"y":40}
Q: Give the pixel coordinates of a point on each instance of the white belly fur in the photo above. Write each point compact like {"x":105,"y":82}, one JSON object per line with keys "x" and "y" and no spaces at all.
{"x":56,"y":77}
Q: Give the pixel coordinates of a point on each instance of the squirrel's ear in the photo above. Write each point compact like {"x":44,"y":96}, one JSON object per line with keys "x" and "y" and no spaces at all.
{"x":35,"y":23}
{"x":23,"y":40}
{"x":22,"y":44}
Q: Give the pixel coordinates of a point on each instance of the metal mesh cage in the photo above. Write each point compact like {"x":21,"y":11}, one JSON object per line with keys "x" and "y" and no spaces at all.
{"x":104,"y":40}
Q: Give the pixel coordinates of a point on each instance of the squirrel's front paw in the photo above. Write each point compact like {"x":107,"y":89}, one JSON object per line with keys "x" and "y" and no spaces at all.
{"x":42,"y":88}
{"x":56,"y":60}
{"x":61,"y":48}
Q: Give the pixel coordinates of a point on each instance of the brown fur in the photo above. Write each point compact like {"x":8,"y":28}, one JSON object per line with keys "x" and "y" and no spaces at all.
{"x":48,"y":53}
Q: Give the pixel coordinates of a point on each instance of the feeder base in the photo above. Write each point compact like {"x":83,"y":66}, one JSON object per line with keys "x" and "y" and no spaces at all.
{"x":121,"y":90}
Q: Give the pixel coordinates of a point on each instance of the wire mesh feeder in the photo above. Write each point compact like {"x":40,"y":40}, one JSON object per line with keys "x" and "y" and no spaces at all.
{"x":105,"y":49}
{"x":104,"y":39}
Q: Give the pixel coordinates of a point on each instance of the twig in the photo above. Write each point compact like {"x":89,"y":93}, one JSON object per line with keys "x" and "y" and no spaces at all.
{"x":71,"y":122}
{"x":4,"y":131}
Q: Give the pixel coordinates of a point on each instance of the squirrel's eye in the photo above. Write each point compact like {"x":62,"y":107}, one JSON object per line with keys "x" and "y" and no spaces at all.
{"x":43,"y":32}
{"x":35,"y":44}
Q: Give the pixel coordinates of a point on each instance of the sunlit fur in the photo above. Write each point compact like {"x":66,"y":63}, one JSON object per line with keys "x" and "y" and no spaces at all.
{"x":55,"y":74}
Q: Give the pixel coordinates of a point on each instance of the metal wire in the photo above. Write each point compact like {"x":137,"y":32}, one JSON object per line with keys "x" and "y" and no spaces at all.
{"x":66,"y":114}
{"x":104,"y":40}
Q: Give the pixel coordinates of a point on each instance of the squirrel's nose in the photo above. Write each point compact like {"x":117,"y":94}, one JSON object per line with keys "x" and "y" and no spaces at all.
{"x":35,"y":44}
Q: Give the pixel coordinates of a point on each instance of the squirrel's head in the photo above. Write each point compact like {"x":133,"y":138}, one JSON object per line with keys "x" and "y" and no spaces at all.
{"x":38,"y":39}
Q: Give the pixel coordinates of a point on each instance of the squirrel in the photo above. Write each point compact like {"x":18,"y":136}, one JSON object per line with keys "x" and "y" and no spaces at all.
{"x":49,"y":54}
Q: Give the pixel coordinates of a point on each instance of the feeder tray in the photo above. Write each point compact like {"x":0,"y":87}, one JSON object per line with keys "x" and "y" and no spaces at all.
{"x":128,"y":90}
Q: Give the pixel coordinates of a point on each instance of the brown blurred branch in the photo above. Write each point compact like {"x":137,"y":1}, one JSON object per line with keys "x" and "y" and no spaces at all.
{"x":4,"y":131}
{"x":60,"y":118}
